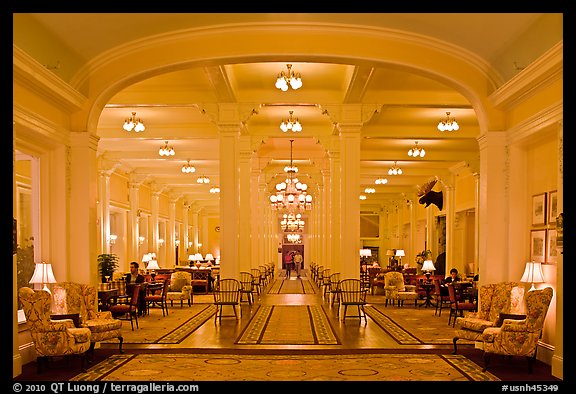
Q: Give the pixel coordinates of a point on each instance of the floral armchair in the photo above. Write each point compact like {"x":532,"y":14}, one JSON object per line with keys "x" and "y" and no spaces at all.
{"x":180,"y":288}
{"x":519,"y":337}
{"x":396,"y":290}
{"x":51,"y":337}
{"x":493,"y":299}
{"x":71,"y":297}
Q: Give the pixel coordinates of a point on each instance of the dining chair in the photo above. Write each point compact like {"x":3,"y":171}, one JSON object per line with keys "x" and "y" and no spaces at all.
{"x":353,"y":294}
{"x":440,"y":298}
{"x":458,"y":308}
{"x":227,"y":293}
{"x":153,"y":298}
{"x":126,"y":311}
{"x":256,"y":280}
{"x":246,"y":286}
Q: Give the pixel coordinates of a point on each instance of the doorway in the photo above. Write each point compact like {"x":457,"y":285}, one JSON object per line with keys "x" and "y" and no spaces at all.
{"x":289,"y":248}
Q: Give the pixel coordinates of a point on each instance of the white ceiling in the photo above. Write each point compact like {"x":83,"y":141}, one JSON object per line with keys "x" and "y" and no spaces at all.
{"x":171,"y":105}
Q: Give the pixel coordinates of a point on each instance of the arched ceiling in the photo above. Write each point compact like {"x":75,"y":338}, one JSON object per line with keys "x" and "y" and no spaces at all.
{"x":175,"y":106}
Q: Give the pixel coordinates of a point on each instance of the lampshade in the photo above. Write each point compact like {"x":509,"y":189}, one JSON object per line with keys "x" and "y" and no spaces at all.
{"x":390,"y":252}
{"x":146,"y":258}
{"x":209,"y":257}
{"x":428,"y":266}
{"x":192,"y":257}
{"x":199,"y":257}
{"x":365,"y":252}
{"x":400,"y":252}
{"x":43,"y":275}
{"x":533,"y":274}
{"x":152,"y":265}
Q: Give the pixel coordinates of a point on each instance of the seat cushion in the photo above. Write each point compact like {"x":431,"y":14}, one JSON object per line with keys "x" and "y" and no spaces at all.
{"x":474,"y":324}
{"x":100,"y":325}
{"x":177,"y":284}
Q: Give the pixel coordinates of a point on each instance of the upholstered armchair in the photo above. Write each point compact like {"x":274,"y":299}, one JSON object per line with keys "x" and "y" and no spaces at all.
{"x":51,"y":337}
{"x":71,"y":297}
{"x":493,"y":299}
{"x":180,"y":288}
{"x":519,"y":337}
{"x":396,"y":290}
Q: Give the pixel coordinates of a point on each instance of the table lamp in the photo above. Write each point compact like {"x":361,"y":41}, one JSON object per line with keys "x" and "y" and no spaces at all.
{"x":400,"y":253}
{"x":364,"y":254}
{"x":209,"y":258}
{"x":199,"y":258}
{"x":428,"y":266}
{"x":533,"y":274}
{"x":43,"y":275}
{"x":152,"y":267}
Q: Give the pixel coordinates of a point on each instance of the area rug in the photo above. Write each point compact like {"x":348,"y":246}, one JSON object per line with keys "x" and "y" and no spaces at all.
{"x":171,"y":329}
{"x":298,"y":286}
{"x":234,"y":367}
{"x":409,"y":326}
{"x":288,"y":325}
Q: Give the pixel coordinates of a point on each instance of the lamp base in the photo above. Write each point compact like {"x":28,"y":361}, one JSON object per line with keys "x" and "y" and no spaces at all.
{"x":427,"y":274}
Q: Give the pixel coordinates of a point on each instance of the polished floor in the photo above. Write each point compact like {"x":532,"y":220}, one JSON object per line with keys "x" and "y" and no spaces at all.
{"x":354,"y":334}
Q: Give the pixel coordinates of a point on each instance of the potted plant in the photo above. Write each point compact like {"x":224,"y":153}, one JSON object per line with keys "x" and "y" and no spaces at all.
{"x":107,"y":264}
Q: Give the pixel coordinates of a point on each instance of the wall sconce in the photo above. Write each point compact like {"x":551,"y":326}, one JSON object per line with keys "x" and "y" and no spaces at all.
{"x":177,"y":242}
{"x":161,"y":241}
{"x":190,"y":243}
{"x":112,"y":239}
{"x":141,"y":240}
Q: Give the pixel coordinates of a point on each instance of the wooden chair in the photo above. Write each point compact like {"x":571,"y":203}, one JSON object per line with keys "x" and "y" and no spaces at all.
{"x":457,"y":308}
{"x":200,"y":277}
{"x":440,"y":298}
{"x":334,"y":288}
{"x":256,"y":280}
{"x":246,"y":286}
{"x":227,"y":293}
{"x":126,"y":311}
{"x":353,"y":294}
{"x":153,"y":298}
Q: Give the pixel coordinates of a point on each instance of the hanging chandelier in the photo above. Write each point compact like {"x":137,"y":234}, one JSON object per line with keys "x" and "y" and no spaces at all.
{"x":166,"y":150}
{"x":294,"y":238}
{"x":395,"y":170}
{"x":448,"y":123}
{"x":290,"y":124}
{"x":369,"y":190}
{"x":133,"y":123}
{"x":188,"y":168}
{"x":381,"y":181}
{"x":416,"y":151}
{"x":203,"y":179}
{"x":215,"y":190}
{"x":289,"y":78}
{"x":292,"y":222}
{"x":291,"y":194}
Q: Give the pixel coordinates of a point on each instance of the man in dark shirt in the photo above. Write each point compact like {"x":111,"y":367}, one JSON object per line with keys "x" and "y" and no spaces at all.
{"x":449,"y":279}
{"x":135,"y":278}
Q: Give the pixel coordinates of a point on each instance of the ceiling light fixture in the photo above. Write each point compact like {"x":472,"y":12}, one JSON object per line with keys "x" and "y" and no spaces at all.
{"x":381,"y":181}
{"x":203,"y":179}
{"x":448,"y":124}
{"x":188,"y":168}
{"x":292,"y":222}
{"x":362,"y":197}
{"x":166,"y":150}
{"x":416,"y":151}
{"x":395,"y":170}
{"x":293,"y":238}
{"x":214,"y":190}
{"x":133,"y":123}
{"x":290,"y":124}
{"x":289,"y":78}
{"x":291,"y":194}
{"x":369,"y":190}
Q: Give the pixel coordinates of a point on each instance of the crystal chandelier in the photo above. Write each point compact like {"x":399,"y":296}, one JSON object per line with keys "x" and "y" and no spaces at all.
{"x":188,"y":168}
{"x":133,"y":123}
{"x":294,"y":238}
{"x":416,"y":151}
{"x":290,"y":124}
{"x":292,"y":222}
{"x":448,"y":123}
{"x":289,"y":78}
{"x":166,"y":150}
{"x":291,"y":194}
{"x":381,"y":181}
{"x":395,"y":170}
{"x":203,"y":179}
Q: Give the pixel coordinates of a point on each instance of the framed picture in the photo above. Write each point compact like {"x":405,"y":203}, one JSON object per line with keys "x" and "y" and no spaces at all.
{"x":551,"y":250}
{"x":538,"y":246}
{"x":552,"y":206}
{"x":539,"y":209}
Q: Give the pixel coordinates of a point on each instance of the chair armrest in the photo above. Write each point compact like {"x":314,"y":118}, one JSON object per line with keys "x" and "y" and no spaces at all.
{"x":104,"y":315}
{"x":60,"y":325}
{"x":410,"y":288}
{"x":512,"y":325}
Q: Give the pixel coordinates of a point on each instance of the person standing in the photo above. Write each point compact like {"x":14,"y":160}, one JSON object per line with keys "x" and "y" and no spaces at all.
{"x":298,"y":260}
{"x":289,"y":262}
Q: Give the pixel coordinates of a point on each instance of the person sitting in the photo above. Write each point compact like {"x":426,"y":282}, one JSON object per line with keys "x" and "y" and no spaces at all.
{"x":449,"y":279}
{"x":133,"y":278}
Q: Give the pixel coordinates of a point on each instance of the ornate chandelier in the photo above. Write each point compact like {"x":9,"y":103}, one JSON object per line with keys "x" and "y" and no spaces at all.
{"x":395,"y":170}
{"x":294,"y":238}
{"x":133,"y":123}
{"x":416,"y":151}
{"x":292,"y":222}
{"x":448,"y":123}
{"x":188,"y":168}
{"x":166,"y":150}
{"x":288,"y":79}
{"x":290,"y":124}
{"x":291,"y":194}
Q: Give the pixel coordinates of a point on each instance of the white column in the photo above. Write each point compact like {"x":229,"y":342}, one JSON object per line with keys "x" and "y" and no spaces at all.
{"x":349,"y":264}
{"x":104,"y":209}
{"x":335,"y":236}
{"x":246,"y":204}
{"x":326,"y":217}
{"x":476,"y":219}
{"x":450,"y":233}
{"x":154,"y":209}
{"x":185,"y":249}
{"x":170,"y":240}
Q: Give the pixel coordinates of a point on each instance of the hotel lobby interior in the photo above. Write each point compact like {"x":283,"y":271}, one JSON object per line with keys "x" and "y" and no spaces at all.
{"x":213,"y":146}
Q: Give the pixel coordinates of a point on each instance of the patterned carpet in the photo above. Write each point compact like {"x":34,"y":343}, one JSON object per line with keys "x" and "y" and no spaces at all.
{"x":223,"y":367}
{"x":410,"y":327}
{"x":289,"y":325}
{"x":171,"y":329}
{"x":280,"y":286}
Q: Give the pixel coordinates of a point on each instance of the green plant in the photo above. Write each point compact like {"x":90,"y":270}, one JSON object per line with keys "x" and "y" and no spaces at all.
{"x":107,"y":264}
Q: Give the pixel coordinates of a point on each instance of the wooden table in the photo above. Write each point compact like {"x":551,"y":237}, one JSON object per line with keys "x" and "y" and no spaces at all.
{"x":428,"y":286}
{"x":103,"y":296}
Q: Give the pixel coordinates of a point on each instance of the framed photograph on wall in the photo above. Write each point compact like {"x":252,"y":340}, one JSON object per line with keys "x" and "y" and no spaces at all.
{"x":552,"y":206}
{"x":539,"y":209}
{"x":538,"y":246}
{"x":551,"y":250}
